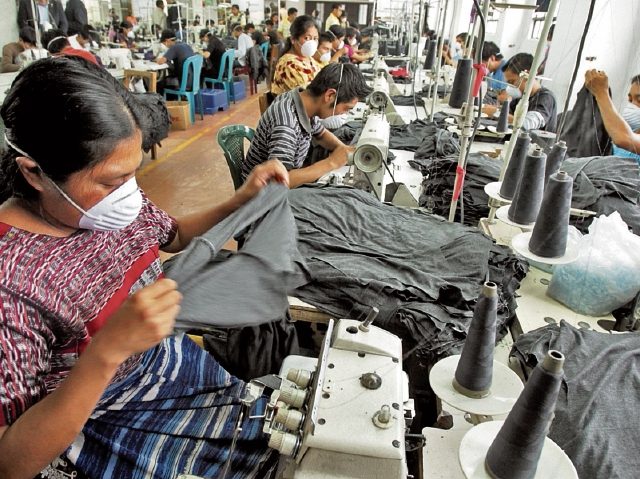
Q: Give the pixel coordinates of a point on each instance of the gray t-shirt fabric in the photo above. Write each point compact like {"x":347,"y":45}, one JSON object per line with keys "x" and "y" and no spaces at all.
{"x":596,"y":418}
{"x":251,"y":287}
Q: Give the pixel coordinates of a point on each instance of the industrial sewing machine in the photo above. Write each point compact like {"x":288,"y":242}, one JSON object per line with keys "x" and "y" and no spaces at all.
{"x":346,"y":413}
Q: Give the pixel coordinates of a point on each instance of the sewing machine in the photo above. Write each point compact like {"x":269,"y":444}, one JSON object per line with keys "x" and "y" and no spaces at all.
{"x":346,"y":413}
{"x":380,"y":99}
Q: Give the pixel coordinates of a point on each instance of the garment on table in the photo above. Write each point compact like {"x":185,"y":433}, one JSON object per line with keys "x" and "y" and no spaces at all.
{"x":293,"y":71}
{"x":422,"y":272}
{"x":439,"y":177}
{"x":544,"y":104}
{"x":284,"y":133}
{"x":174,"y":414}
{"x":584,"y":130}
{"x":596,"y":417}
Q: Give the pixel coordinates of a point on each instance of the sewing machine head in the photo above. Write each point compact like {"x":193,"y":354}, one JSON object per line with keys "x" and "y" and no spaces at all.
{"x":343,"y":415}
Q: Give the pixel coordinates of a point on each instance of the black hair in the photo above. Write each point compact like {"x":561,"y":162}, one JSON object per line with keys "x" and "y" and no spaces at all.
{"x":86,"y":111}
{"x":352,"y":85}
{"x":337,"y":30}
{"x":490,"y":49}
{"x":298,"y":28}
{"x":636,"y":79}
{"x":268,"y":23}
{"x":54,"y":40}
{"x":292,"y":10}
{"x":27,"y":35}
{"x":258,"y":37}
{"x":462,"y":36}
{"x":203,"y":33}
{"x":350,"y":32}
{"x":337,"y":5}
{"x":159,"y":4}
{"x":518,"y":63}
{"x":248,"y":27}
{"x":236,"y":6}
{"x":238,"y":28}
{"x":125,"y":24}
{"x":326,"y":37}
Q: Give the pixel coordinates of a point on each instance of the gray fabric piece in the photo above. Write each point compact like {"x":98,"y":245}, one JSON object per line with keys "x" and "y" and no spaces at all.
{"x":584,"y":129}
{"x":251,"y":287}
{"x":596,"y":418}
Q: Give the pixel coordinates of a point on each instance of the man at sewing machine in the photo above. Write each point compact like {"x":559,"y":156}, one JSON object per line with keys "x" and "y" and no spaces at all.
{"x":542,"y":111}
{"x":175,"y":55}
{"x":286,"y":129}
{"x":494,"y":61}
{"x":618,"y":129}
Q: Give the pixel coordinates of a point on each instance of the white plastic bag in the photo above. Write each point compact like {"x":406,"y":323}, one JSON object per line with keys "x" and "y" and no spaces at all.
{"x":606,"y":274}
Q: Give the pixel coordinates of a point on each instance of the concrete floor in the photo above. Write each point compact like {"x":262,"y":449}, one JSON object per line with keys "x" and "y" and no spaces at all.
{"x":190,"y":172}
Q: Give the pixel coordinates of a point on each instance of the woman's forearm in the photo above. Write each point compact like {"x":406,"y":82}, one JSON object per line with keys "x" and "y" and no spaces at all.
{"x":618,"y":129}
{"x":46,"y":429}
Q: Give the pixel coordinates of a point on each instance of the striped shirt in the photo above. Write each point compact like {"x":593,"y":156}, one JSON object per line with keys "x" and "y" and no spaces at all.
{"x":284,"y":133}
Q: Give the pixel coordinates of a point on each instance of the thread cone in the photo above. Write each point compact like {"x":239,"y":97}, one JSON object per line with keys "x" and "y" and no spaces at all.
{"x":515,"y":452}
{"x":503,"y":119}
{"x":554,"y":160}
{"x":432,"y":50}
{"x":526,"y":202}
{"x":461,"y":83}
{"x":549,"y":236}
{"x":514,"y":169}
{"x":475,"y":369}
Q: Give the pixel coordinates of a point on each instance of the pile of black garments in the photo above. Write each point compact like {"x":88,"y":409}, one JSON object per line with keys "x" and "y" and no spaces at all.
{"x":421,"y":272}
{"x":596,"y":418}
{"x":439,"y":178}
{"x":602,"y":184}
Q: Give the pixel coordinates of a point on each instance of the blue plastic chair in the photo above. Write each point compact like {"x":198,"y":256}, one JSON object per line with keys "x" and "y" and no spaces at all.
{"x":264,"y":46}
{"x":193,"y":63}
{"x":225,"y":75}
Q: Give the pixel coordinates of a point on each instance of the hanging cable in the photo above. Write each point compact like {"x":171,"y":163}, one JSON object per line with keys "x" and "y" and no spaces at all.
{"x":576,"y":66}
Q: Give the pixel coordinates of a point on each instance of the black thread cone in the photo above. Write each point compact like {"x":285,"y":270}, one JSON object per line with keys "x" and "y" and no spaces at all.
{"x":430,"y":59}
{"x":475,"y":369}
{"x":383,"y":49}
{"x":503,"y":119}
{"x":515,"y":451}
{"x":549,"y":236}
{"x":461,"y":83}
{"x":526,"y":202}
{"x":554,"y":160}
{"x":514,"y":169}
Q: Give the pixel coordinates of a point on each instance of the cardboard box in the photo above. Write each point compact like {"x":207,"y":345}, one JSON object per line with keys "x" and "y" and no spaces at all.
{"x":180,"y":114}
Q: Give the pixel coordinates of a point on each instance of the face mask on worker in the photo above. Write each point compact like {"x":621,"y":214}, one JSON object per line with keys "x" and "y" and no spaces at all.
{"x":353,"y":42}
{"x":341,"y":46}
{"x":514,"y":92}
{"x":325,"y":57}
{"x":309,"y":48}
{"x":114,"y":212}
{"x":130,"y":34}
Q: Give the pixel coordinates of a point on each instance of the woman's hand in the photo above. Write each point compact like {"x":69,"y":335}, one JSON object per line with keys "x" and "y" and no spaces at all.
{"x":490,"y":110}
{"x":596,"y":82}
{"x":143,"y":320}
{"x":260,"y":177}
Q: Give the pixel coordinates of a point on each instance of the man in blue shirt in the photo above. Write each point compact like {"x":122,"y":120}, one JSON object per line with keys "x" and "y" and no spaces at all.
{"x":494,"y":61}
{"x":175,"y":54}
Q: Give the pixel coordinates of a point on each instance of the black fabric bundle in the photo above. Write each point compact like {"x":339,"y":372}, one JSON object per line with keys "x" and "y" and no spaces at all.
{"x":584,"y":129}
{"x":421,"y":272}
{"x":602,"y":183}
{"x":596,"y":418}
{"x":440,"y":175}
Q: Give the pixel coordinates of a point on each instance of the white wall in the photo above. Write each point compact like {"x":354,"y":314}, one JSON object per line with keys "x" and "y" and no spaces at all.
{"x":613,"y":40}
{"x":8,"y":22}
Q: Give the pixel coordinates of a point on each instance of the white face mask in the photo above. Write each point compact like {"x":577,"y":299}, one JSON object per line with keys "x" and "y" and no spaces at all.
{"x":131,"y":34}
{"x":114,"y":212}
{"x":514,"y":92}
{"x":341,"y":46}
{"x":325,"y":57}
{"x":309,"y":48}
{"x":352,"y":42}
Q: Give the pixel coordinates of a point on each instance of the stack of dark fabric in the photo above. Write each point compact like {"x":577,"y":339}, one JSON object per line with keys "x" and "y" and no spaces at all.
{"x":421,"y":272}
{"x":439,"y":178}
{"x":602,"y":183}
{"x":596,"y":418}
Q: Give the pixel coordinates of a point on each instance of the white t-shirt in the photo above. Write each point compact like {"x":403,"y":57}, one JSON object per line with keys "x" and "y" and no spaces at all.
{"x":244,"y":43}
